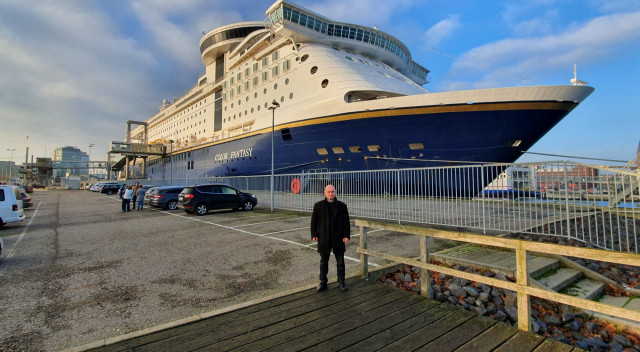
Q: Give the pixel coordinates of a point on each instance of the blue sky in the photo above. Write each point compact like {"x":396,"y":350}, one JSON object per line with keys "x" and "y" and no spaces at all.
{"x":74,"y":71}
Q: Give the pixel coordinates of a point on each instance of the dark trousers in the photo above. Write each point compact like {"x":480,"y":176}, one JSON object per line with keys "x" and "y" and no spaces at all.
{"x":134,"y":202}
{"x":324,"y":266}
{"x":126,"y":203}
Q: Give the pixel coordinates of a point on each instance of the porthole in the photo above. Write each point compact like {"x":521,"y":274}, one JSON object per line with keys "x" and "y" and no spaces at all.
{"x":225,"y":108}
{"x":239,"y":102}
{"x":255,"y":95}
{"x":234,"y":116}
{"x":252,"y":110}
{"x":231,"y":105}
{"x":240,"y":115}
{"x":282,"y":99}
{"x":264,"y":91}
{"x":314,"y":69}
{"x":258,"y":107}
{"x":245,"y":113}
{"x":304,"y":57}
{"x":290,"y":95}
{"x":275,"y":86}
{"x":325,"y":83}
{"x":246,"y":99}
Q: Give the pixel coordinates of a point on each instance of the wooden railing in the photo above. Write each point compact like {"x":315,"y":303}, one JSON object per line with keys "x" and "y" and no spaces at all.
{"x":522,"y":248}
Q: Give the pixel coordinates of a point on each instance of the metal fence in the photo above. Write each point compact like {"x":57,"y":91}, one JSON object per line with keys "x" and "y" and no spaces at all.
{"x":596,"y":205}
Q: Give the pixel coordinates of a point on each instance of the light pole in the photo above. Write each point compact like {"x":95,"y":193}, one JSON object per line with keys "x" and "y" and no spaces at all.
{"x":91,"y":145}
{"x":273,"y":107}
{"x":171,"y":159}
{"x":10,"y":165}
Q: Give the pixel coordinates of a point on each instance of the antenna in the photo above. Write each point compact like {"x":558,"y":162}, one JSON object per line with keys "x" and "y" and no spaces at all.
{"x":575,"y":81}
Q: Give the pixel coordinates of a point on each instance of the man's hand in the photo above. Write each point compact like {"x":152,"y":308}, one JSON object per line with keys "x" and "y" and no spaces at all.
{"x":345,"y":240}
{"x":315,"y":239}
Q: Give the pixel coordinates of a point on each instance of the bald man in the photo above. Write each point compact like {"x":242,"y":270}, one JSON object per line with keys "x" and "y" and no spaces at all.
{"x":330,"y":227}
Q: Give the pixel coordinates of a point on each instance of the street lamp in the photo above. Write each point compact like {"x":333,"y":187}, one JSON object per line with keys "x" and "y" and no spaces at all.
{"x":171,"y":159}
{"x":91,"y":145}
{"x":10,"y":164}
{"x":273,"y":107}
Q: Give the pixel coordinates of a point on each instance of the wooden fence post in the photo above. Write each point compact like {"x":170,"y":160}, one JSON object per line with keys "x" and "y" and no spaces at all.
{"x":425,"y":275}
{"x":364,"y":259}
{"x":522,"y":278}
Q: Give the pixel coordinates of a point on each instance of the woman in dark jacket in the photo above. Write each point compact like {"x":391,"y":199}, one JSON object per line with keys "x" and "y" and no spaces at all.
{"x":330,"y":227}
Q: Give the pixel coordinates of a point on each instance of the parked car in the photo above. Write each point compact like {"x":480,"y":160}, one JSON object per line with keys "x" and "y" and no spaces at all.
{"x":11,"y":209}
{"x":110,"y":188}
{"x":165,"y":197}
{"x":26,"y":200}
{"x":200,"y":199}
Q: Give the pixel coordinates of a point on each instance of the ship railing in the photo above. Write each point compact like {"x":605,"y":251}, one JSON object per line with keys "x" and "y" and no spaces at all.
{"x":564,"y":202}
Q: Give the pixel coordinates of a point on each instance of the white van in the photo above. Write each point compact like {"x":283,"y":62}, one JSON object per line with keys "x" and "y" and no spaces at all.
{"x":10,"y":205}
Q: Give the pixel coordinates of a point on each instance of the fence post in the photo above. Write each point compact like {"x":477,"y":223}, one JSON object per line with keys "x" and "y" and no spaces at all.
{"x":399,"y":208}
{"x":425,"y":275}
{"x":484,"y":216}
{"x":364,"y":259}
{"x":522,"y":279}
{"x":566,"y":199}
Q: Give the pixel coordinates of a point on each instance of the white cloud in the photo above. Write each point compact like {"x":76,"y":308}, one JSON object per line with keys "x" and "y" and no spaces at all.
{"x":441,"y":30}
{"x":507,"y":59}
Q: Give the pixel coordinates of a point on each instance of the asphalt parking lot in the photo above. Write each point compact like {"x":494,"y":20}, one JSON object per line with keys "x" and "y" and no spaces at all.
{"x":78,"y":269}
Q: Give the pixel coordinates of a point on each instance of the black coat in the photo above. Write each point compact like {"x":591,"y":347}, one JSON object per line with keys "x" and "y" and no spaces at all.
{"x":320,"y":227}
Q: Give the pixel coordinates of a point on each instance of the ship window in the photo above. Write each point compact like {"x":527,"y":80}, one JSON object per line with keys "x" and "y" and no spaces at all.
{"x":239,"y":89}
{"x":416,"y":146}
{"x":286,"y":65}
{"x":255,"y":95}
{"x":232,"y":80}
{"x":282,"y":99}
{"x":350,"y":58}
{"x":275,"y":86}
{"x":314,"y":69}
{"x":274,"y":71}
{"x":290,"y":95}
{"x":239,"y":102}
{"x":246,"y":85}
{"x":325,"y":83}
{"x":247,"y":72}
{"x":255,"y":82}
{"x":265,"y":76}
{"x":304,"y":57}
{"x":264,"y":91}
{"x":255,"y":67}
{"x":265,"y":61}
{"x":274,"y":56}
{"x":355,"y":149}
{"x":246,"y":99}
{"x":337,"y":150}
{"x":322,"y":151}
{"x":286,"y":81}
{"x":374,"y":148}
{"x":239,"y":76}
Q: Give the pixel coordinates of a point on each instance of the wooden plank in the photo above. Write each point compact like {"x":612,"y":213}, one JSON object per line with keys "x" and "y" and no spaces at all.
{"x":335,"y":327}
{"x":430,"y":332}
{"x":346,"y":307}
{"x":522,"y":278}
{"x":220,"y":331}
{"x":396,"y":297}
{"x":490,"y":339}
{"x":460,"y":335}
{"x":521,"y":342}
{"x":379,"y":326}
{"x":549,"y":345}
{"x":402,"y":329}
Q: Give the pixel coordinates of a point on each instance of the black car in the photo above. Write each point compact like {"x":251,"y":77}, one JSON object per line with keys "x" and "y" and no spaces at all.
{"x":200,"y":199}
{"x":27,"y":202}
{"x":165,"y":197}
{"x":110,"y":188}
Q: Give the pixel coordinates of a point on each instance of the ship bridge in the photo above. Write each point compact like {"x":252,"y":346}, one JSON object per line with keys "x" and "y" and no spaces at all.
{"x":131,"y":150}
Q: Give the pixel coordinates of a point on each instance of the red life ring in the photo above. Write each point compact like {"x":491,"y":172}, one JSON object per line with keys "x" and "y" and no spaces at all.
{"x":295,"y":185}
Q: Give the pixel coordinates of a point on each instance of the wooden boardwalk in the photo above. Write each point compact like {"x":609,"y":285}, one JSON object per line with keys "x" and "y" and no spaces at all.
{"x":368,"y":317}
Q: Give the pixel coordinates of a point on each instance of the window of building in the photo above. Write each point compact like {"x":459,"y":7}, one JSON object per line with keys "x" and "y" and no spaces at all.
{"x":322,"y":151}
{"x":355,"y":149}
{"x":275,"y":55}
{"x":337,"y":150}
{"x":416,"y":146}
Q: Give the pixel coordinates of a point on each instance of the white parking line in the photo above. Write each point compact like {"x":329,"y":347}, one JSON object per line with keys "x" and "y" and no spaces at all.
{"x":5,"y":263}
{"x":266,"y":222}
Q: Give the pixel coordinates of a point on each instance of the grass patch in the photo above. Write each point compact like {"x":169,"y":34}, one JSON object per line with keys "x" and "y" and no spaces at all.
{"x":546,"y":274}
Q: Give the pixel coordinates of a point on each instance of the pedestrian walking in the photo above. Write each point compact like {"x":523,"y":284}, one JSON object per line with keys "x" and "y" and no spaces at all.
{"x":330,"y":227}
{"x":126,"y":199}
{"x":135,"y":194}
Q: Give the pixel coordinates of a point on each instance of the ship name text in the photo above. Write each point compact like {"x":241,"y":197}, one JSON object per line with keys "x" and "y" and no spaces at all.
{"x":240,"y":153}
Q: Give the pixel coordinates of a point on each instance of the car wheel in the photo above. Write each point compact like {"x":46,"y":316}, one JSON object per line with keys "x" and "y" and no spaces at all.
{"x":201,"y":209}
{"x":247,"y":205}
{"x":172,"y":205}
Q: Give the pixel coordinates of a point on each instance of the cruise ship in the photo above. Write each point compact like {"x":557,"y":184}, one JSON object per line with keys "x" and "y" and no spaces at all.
{"x":334,"y":96}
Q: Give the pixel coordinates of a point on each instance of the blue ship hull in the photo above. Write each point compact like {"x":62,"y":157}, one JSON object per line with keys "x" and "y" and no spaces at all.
{"x":449,"y":135}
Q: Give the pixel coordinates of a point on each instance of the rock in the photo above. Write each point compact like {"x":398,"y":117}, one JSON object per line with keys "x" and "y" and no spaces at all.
{"x":464,"y":282}
{"x":447,"y":292}
{"x":621,"y":339}
{"x":603,"y":333}
{"x":567,"y":317}
{"x":497,"y":300}
{"x":615,"y":347}
{"x":490,"y":274}
{"x":479,"y":310}
{"x":484,"y":288}
{"x":415,"y":269}
{"x":552,"y":320}
{"x":452,"y":300}
{"x":471,"y":291}
{"x":443,"y":277}
{"x":576,"y":335}
{"x":543,"y":326}
{"x":389,"y":282}
{"x":593,"y":266}
{"x":500,"y":316}
{"x":510,"y":299}
{"x":441,"y":297}
{"x":479,"y":303}
{"x":583,"y":344}
{"x":501,"y":276}
{"x":495,"y":292}
{"x":483,"y":297}
{"x":452,"y":287}
{"x":535,"y":327}
{"x":512,"y":312}
{"x":470,"y":300}
{"x":591,"y":325}
{"x":459,"y":293}
{"x":408,"y":278}
{"x":573,"y":325}
{"x":437,"y":288}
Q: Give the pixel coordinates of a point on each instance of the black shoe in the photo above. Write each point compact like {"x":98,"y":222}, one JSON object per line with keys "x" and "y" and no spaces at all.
{"x":343,"y":286}
{"x":322,"y":287}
